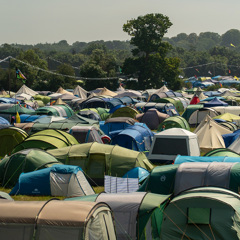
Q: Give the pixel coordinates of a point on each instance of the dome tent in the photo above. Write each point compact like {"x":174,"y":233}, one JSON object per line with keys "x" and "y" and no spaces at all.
{"x":23,"y":161}
{"x":174,"y":122}
{"x":58,"y":180}
{"x":47,"y":139}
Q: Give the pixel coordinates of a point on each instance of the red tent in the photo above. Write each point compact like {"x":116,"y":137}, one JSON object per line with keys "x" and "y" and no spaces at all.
{"x":195,"y":100}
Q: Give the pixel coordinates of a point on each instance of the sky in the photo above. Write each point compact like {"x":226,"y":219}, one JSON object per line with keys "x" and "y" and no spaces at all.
{"x":50,"y":21}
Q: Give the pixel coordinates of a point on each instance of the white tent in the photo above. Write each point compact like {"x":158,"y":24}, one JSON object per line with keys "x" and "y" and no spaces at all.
{"x":80,"y":92}
{"x":26,"y":90}
{"x":172,"y":142}
{"x":210,"y":134}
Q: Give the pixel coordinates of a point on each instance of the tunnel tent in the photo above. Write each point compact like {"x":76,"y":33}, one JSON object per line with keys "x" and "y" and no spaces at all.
{"x":10,"y":137}
{"x":97,"y":160}
{"x":190,"y":110}
{"x":56,"y":220}
{"x":202,"y":213}
{"x":23,"y":161}
{"x":174,"y":122}
{"x":57,"y":180}
{"x":47,"y":139}
{"x":125,"y":112}
{"x":229,"y":125}
{"x":137,"y":215}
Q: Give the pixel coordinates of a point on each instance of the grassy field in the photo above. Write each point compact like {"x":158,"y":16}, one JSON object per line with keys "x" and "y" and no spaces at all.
{"x":41,"y":198}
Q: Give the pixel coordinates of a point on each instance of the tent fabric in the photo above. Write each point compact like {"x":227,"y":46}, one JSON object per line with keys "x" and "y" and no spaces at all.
{"x":56,"y":220}
{"x":174,"y":122}
{"x":80,"y":92}
{"x":230,"y":138}
{"x":214,"y":103}
{"x":58,"y":180}
{"x":23,"y":161}
{"x":152,"y":118}
{"x":63,"y":91}
{"x":106,"y":92}
{"x":47,"y":139}
{"x":225,"y":152}
{"x":125,"y":112}
{"x":97,"y":159}
{"x":134,"y":137}
{"x":26,"y":90}
{"x":210,"y":134}
{"x":198,"y":214}
{"x":10,"y":137}
{"x":195,"y":100}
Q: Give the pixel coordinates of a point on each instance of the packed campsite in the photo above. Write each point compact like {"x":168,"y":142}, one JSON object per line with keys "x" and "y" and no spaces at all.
{"x":167,"y":164}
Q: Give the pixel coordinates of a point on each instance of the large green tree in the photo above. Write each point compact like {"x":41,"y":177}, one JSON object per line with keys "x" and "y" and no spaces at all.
{"x":149,"y":59}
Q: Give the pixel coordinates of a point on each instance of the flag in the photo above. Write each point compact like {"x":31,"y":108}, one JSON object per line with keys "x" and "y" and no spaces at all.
{"x":18,"y":119}
{"x":220,"y":84}
{"x":229,"y":71}
{"x":210,"y":72}
{"x":20,"y":76}
{"x":197,"y":70}
{"x":232,"y":45}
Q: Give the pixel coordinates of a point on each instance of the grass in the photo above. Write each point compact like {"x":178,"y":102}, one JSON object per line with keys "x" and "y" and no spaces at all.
{"x":41,"y":198}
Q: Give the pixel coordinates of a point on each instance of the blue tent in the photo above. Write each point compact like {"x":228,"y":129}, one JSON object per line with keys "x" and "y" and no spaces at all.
{"x":4,"y":121}
{"x":212,"y":93}
{"x":30,"y":118}
{"x":134,"y":137}
{"x":214,"y":103}
{"x":231,"y":137}
{"x":137,"y":172}
{"x":181,"y":159}
{"x":112,"y":110}
{"x":58,"y":180}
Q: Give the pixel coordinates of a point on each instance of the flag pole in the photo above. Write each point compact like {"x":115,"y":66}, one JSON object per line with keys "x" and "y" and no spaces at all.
{"x":9,"y":78}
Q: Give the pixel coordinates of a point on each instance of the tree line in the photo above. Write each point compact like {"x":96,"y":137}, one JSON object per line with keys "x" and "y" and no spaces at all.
{"x":149,"y":56}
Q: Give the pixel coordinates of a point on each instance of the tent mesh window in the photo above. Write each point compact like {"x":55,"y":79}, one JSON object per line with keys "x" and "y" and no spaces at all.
{"x":199,"y":215}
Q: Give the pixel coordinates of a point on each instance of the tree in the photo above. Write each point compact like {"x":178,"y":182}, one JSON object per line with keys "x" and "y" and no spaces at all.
{"x":150,"y":55}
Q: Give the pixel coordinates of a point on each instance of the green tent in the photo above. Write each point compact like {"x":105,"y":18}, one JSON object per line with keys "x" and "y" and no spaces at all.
{"x":202,"y":213}
{"x":190,"y":110}
{"x":136,"y":215}
{"x":174,"y":122}
{"x":47,"y":139}
{"x":56,"y":110}
{"x":177,"y":178}
{"x":23,"y":161}
{"x":176,"y":102}
{"x":125,"y":112}
{"x":14,"y":108}
{"x":10,"y":137}
{"x":229,"y":125}
{"x":97,"y":159}
{"x":44,"y":99}
{"x":222,"y":152}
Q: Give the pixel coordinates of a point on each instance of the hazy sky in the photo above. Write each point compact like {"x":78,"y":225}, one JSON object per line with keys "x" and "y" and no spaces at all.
{"x":41,"y":21}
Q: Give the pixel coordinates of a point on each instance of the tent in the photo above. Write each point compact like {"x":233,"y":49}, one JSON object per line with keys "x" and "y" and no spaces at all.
{"x":23,"y":161}
{"x":26,"y":90}
{"x":190,"y":110}
{"x":58,"y":180}
{"x":210,"y":134}
{"x":214,"y":103}
{"x":138,"y":172}
{"x":172,"y":142}
{"x":116,"y":124}
{"x":229,"y":138}
{"x":125,"y":112}
{"x":229,"y":109}
{"x":90,"y":114}
{"x":174,"y":122}
{"x":195,"y":100}
{"x":56,"y":110}
{"x":134,"y":137}
{"x":137,"y":215}
{"x":84,"y":134}
{"x":152,"y":118}
{"x":56,"y":220}
{"x":224,"y":152}
{"x":229,"y":117}
{"x":197,"y":116}
{"x":235,"y":146}
{"x":97,"y":159}
{"x":202,"y":213}
{"x":10,"y":137}
{"x":106,"y":92}
{"x":47,"y":139}
{"x":63,"y":91}
{"x":80,"y":92}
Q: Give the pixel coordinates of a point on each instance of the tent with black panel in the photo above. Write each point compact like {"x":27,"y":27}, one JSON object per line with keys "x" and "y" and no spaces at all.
{"x":56,"y":220}
{"x":174,"y":122}
{"x":172,"y":142}
{"x":137,"y":215}
{"x":202,"y":213}
{"x":58,"y":180}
